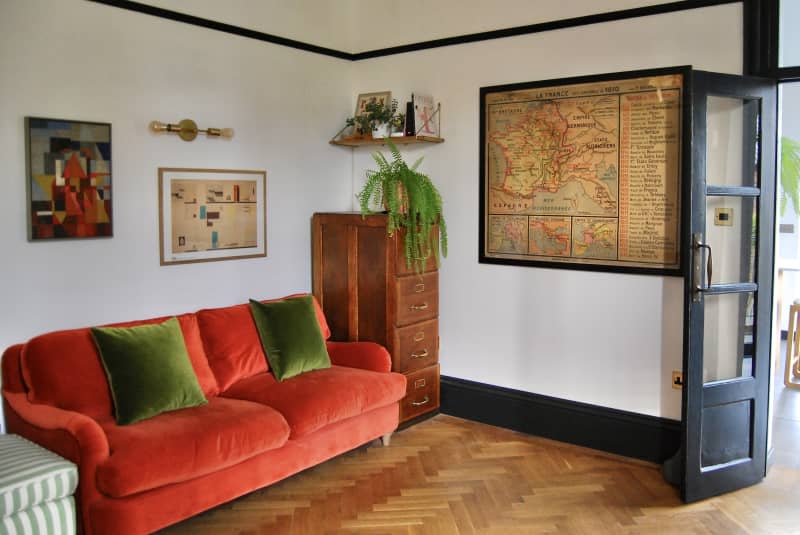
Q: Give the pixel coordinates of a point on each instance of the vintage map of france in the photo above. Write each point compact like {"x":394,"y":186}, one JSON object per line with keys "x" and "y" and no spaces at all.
{"x":585,"y":173}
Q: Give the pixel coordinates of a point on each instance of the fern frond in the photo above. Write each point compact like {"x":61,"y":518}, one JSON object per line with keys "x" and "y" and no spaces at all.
{"x":412,"y":202}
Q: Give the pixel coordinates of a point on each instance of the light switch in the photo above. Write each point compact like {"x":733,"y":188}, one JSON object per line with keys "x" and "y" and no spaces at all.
{"x":723,"y":217}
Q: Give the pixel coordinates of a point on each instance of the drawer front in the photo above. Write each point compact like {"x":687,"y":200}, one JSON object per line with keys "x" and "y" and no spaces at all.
{"x":401,"y":267}
{"x":416,"y":346}
{"x":417,"y":298}
{"x":422,"y":393}
{"x":405,"y":269}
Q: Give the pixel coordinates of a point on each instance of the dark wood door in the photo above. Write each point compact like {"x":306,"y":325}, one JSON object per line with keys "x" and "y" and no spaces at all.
{"x":728,"y":296}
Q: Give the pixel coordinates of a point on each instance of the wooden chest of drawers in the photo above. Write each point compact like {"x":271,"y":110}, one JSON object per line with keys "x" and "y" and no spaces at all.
{"x":369,"y":293}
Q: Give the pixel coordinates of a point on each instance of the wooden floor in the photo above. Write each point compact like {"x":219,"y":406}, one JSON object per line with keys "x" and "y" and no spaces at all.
{"x":452,"y":476}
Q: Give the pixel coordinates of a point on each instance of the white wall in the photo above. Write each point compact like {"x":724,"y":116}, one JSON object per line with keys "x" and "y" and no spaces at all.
{"x":79,"y":60}
{"x":606,"y":339}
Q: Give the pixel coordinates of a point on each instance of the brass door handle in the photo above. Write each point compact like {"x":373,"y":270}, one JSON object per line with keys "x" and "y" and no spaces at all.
{"x":420,"y":336}
{"x":423,"y":306}
{"x":420,"y":403}
{"x":419,"y":288}
{"x":421,"y":355}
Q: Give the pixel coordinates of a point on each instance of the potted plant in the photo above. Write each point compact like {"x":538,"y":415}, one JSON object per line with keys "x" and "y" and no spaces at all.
{"x":398,"y":124}
{"x":375,"y":120}
{"x":411,"y":202}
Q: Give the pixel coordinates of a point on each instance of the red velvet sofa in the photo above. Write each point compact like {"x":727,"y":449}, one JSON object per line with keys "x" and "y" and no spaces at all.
{"x":254,"y":430}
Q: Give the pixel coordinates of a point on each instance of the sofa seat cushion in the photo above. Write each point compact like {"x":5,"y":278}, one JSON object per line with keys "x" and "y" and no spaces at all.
{"x":321,"y":397}
{"x":188,"y":443}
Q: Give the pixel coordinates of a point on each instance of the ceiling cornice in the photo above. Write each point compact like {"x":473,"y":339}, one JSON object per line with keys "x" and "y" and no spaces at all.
{"x":597,"y":18}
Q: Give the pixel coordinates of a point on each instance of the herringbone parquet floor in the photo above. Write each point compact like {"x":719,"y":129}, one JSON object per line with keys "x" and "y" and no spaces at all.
{"x":452,"y":476}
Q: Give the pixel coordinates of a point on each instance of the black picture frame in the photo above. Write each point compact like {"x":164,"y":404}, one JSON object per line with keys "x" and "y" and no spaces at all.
{"x":69,"y":179}
{"x":564,"y":89}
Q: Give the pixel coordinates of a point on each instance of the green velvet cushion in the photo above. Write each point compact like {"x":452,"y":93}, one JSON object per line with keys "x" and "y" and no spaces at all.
{"x":148,"y":370}
{"x":291,"y":337}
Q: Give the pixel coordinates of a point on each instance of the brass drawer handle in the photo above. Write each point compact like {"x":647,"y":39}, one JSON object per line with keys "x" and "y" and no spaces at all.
{"x":421,"y":355}
{"x":423,"y":306}
{"x":419,"y":288}
{"x":420,"y":403}
{"x":420,"y":336}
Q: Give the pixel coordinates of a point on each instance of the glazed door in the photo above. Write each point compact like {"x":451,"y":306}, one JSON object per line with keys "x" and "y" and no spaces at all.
{"x":729,"y":287}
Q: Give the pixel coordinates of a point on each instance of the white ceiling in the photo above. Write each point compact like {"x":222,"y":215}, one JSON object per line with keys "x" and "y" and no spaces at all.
{"x":361,"y":25}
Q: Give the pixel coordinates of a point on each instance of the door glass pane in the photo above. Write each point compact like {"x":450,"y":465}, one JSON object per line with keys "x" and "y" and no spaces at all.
{"x":731,"y":225}
{"x":728,"y":336}
{"x":730,"y":159}
{"x":789,"y":43}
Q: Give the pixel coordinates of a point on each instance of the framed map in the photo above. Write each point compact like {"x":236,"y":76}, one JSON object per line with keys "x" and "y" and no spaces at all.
{"x":211,"y":214}
{"x":584,"y":173}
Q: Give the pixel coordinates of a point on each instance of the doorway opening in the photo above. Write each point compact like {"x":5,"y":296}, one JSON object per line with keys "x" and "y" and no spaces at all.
{"x":784,"y":436}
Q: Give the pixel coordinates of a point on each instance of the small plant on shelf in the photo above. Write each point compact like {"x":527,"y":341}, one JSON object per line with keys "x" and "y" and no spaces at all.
{"x":412,"y":202}
{"x":375,"y":114}
{"x":398,"y":122}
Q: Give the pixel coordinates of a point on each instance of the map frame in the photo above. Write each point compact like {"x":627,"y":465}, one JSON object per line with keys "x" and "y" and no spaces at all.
{"x":215,"y":213}
{"x":517,"y":179}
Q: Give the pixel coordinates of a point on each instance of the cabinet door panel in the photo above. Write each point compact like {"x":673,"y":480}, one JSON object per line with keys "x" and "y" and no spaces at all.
{"x":371,"y":283}
{"x":335,"y":297}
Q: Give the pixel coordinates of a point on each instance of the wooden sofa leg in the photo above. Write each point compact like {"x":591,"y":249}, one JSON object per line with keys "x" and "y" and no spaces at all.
{"x":385,"y":439}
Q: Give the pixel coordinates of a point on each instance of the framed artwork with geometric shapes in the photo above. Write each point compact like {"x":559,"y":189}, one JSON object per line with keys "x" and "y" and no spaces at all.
{"x":211,"y":214}
{"x":69,"y":179}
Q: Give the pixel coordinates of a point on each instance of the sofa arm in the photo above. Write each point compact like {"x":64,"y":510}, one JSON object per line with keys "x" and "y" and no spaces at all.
{"x":70,"y":434}
{"x":364,"y":355}
{"x":89,"y":437}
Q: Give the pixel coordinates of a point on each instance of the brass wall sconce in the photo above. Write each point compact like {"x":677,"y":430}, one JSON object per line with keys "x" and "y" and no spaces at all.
{"x":187,"y":130}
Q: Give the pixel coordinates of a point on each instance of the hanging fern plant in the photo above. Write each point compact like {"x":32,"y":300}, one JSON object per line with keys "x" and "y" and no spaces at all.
{"x":411,"y":202}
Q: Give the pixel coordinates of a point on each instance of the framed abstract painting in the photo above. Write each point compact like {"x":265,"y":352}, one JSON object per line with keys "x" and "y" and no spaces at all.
{"x":69,"y":179}
{"x":211,"y":214}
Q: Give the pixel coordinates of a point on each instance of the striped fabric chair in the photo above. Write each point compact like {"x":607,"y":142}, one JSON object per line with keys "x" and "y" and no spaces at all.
{"x":36,"y":488}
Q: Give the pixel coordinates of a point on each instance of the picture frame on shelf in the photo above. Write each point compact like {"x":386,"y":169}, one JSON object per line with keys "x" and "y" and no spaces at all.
{"x":211,"y":214}
{"x":426,"y":116}
{"x":68,"y":179}
{"x":383,"y":98}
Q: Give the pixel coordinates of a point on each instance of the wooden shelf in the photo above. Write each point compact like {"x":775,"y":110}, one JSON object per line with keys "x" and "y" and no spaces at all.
{"x":399,"y":140}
